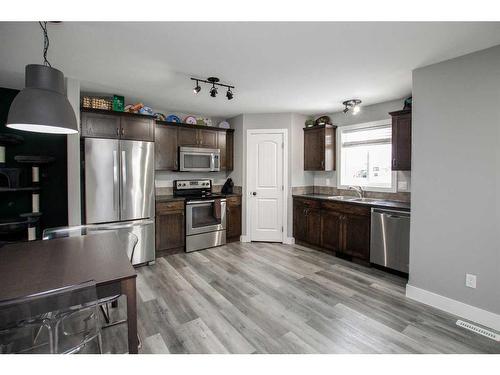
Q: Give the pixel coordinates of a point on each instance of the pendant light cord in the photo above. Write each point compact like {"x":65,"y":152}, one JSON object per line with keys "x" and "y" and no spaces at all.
{"x":46,"y":42}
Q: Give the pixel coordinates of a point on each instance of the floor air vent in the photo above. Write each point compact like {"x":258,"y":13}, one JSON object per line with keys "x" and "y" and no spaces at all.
{"x":479,"y":330}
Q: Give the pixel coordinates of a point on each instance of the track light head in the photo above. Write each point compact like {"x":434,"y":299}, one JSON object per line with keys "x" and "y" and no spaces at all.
{"x":229,"y":94}
{"x":197,"y":89}
{"x":213,"y":91}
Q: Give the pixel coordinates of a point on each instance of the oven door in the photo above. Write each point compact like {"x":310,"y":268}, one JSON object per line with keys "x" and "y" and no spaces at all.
{"x":198,"y":159}
{"x":205,"y":216}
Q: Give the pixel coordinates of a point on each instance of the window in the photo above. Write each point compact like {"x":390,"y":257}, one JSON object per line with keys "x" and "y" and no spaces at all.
{"x":365,"y":156}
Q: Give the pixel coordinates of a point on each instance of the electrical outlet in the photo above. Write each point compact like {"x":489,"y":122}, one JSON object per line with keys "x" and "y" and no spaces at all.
{"x":470,"y":280}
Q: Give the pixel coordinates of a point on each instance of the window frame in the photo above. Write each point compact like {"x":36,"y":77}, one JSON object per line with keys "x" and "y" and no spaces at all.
{"x":340,"y":129}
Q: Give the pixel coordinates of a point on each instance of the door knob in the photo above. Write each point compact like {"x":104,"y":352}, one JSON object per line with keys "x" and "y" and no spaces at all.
{"x":254,"y":193}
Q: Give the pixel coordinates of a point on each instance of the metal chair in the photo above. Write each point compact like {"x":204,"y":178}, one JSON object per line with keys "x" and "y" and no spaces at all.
{"x":26,"y":321}
{"x":129,"y":240}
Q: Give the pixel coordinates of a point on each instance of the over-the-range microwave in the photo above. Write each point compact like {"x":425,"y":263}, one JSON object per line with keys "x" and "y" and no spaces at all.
{"x":198,"y":159}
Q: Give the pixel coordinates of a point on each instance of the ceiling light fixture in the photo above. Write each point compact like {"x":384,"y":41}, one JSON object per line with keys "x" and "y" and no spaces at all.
{"x":42,"y":106}
{"x":197,"y":89}
{"x":214,"y":81}
{"x":353,"y":105}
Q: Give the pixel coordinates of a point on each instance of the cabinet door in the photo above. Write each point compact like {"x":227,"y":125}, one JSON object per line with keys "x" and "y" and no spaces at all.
{"x":222,"y":145}
{"x":313,"y":228}
{"x":331,"y":224}
{"x":188,"y":137}
{"x":233,"y":221}
{"x":137,"y":129}
{"x":356,"y":236}
{"x":229,"y":151}
{"x":98,"y":125}
{"x":299,"y":221}
{"x":314,"y":149}
{"x":169,"y":230}
{"x":207,"y":138}
{"x":401,"y":142}
{"x":166,"y":148}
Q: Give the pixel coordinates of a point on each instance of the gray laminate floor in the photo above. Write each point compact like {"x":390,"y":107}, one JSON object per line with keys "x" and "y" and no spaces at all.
{"x":273,"y":298}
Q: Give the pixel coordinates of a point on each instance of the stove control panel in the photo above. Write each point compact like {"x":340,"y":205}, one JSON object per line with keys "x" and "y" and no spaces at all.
{"x":193,"y":184}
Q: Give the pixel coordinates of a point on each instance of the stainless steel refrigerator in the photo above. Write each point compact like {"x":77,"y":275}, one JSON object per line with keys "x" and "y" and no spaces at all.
{"x":119,"y":189}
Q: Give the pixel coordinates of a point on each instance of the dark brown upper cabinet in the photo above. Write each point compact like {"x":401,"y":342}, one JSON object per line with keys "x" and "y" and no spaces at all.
{"x":137,"y":129}
{"x":106,"y":124}
{"x":100,"y":125}
{"x":207,"y":138}
{"x":401,"y":140}
{"x":170,"y":136}
{"x":166,"y":155}
{"x":198,"y":138}
{"x":319,"y":148}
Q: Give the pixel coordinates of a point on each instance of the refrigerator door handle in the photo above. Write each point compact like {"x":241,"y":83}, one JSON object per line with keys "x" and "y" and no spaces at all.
{"x":124,"y":177}
{"x":115,"y":177}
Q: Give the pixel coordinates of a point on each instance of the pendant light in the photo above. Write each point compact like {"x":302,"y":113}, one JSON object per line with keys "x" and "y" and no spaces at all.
{"x":42,"y":106}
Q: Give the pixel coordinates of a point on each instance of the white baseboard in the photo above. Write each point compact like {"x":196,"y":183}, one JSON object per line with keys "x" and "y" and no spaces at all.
{"x":289,"y":241}
{"x":472,"y":313}
{"x":244,"y":238}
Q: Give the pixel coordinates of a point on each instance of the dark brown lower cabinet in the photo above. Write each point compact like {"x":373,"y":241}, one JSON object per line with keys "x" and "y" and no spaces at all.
{"x":331,"y":230}
{"x":233,"y":218}
{"x":307,"y":221}
{"x":335,"y":227}
{"x":356,"y":236}
{"x":170,"y":228}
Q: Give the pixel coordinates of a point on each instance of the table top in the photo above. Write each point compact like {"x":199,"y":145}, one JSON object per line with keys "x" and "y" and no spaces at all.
{"x":37,"y":266}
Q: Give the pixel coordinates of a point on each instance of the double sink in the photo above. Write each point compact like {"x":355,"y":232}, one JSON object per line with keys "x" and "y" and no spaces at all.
{"x":348,"y":198}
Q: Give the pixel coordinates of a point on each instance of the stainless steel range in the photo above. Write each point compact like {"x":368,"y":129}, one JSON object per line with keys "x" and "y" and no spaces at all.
{"x":205,"y":214}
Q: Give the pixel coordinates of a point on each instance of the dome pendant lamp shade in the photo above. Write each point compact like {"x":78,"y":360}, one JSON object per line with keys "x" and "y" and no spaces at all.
{"x":42,"y":106}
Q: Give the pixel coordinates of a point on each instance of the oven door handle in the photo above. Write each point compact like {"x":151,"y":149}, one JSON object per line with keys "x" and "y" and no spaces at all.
{"x":203,"y":202}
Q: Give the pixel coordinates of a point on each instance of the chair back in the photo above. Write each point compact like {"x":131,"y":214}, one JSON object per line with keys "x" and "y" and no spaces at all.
{"x":21,"y":317}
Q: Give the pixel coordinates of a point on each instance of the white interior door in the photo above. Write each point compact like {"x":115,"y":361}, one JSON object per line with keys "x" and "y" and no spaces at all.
{"x":265,"y":186}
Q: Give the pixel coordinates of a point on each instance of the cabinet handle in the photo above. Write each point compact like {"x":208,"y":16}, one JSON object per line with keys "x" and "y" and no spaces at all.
{"x":117,"y":131}
{"x":322,"y":164}
{"x":394,"y":163}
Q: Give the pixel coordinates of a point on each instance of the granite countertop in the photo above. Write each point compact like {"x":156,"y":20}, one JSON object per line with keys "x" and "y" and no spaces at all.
{"x":382,"y":203}
{"x":169,"y":198}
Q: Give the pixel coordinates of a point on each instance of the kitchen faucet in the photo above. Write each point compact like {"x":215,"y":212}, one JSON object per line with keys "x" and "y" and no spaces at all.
{"x":359,"y":190}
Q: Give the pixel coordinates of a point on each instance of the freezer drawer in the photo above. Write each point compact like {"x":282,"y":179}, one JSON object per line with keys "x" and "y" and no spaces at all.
{"x":390,"y":239}
{"x":145,"y":232}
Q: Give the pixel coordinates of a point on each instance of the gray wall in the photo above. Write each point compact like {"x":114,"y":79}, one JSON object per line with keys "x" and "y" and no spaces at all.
{"x":374,"y":112}
{"x":455,"y":221}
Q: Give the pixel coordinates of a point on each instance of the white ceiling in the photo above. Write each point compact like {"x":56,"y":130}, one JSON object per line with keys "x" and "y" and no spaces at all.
{"x":276,"y":67}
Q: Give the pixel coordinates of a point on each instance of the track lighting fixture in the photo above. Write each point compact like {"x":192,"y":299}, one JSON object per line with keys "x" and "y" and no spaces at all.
{"x":353,"y":105}
{"x":197,"y":89}
{"x":214,"y":81}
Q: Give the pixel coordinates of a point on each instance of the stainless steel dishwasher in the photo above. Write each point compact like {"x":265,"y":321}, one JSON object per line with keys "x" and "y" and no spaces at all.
{"x":390,"y":239}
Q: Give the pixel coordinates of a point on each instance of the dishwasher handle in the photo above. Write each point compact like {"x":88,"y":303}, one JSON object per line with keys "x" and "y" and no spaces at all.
{"x":395,"y":214}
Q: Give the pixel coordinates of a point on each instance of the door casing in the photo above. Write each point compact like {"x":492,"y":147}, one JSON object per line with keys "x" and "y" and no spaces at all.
{"x":247,"y":192}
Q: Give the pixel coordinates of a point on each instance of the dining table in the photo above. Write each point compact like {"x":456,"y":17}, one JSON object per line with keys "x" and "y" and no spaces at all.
{"x":32,"y":267}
